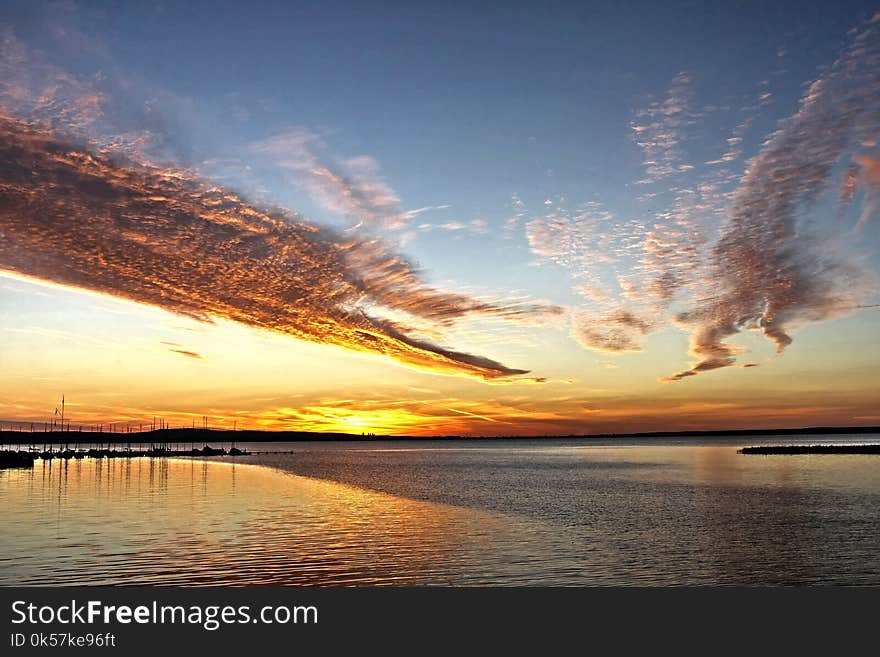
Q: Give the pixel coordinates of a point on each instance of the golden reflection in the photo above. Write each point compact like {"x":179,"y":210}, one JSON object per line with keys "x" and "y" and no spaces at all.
{"x":178,"y":521}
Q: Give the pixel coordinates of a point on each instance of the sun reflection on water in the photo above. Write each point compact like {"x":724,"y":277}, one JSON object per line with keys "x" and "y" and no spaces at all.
{"x":169,"y":521}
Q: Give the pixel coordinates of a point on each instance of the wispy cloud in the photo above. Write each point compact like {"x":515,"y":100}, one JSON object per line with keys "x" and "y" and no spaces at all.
{"x":352,"y":188}
{"x":113,"y":112}
{"x":30,"y":85}
{"x":412,"y":214}
{"x":614,"y":264}
{"x":870,"y":177}
{"x":575,"y":240}
{"x":769,"y":271}
{"x":658,"y":130}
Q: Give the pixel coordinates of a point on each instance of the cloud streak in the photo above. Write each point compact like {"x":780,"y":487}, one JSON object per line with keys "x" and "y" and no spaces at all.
{"x":162,"y":237}
{"x":187,"y":353}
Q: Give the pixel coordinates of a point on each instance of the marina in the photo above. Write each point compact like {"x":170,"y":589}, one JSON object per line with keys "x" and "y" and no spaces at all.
{"x":23,"y":448}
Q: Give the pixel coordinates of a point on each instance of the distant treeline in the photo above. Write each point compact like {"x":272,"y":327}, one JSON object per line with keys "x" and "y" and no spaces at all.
{"x":195,"y":436}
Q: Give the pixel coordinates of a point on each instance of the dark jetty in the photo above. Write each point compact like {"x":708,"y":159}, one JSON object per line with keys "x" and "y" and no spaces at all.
{"x":811,"y":449}
{"x":12,"y":459}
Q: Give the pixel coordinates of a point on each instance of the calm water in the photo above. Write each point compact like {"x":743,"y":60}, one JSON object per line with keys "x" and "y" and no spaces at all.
{"x":462,"y":513}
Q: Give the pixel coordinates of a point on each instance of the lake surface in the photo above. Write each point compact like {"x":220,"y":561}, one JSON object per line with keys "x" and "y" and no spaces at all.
{"x":475,"y":512}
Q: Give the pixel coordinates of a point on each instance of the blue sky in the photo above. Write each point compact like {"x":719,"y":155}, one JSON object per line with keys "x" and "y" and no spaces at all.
{"x":481,"y":101}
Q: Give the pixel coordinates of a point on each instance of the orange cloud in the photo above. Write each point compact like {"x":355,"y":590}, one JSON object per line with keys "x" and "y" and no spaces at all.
{"x":162,"y":237}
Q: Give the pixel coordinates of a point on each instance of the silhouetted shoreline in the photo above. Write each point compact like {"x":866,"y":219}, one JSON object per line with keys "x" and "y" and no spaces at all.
{"x":811,"y":449}
{"x":199,"y":436}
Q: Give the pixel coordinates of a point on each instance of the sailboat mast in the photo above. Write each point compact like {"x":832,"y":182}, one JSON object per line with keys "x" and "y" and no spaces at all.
{"x":62,"y":421}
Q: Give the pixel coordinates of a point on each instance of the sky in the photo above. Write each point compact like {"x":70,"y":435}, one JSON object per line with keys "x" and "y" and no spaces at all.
{"x":511,"y":219}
